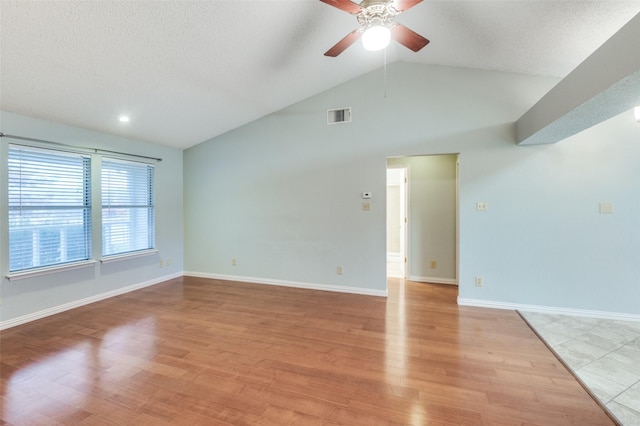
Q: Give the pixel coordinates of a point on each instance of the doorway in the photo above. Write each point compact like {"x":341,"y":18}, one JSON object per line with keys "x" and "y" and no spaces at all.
{"x":396,"y":221}
{"x":422,"y":218}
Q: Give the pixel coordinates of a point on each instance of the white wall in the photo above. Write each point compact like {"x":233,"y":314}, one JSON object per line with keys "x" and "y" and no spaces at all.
{"x":30,"y":298}
{"x":432,"y":216}
{"x":282,"y":194}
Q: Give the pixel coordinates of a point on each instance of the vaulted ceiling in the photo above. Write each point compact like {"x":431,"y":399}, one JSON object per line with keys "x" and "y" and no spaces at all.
{"x":186,"y":71}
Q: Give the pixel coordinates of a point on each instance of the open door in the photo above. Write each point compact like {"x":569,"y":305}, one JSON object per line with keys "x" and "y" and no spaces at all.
{"x":396,"y":222}
{"x":423,"y":190}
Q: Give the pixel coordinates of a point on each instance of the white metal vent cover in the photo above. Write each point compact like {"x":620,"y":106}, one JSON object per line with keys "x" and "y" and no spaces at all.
{"x":339,"y":115}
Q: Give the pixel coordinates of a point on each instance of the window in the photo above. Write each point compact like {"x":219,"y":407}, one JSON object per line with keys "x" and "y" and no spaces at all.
{"x":128,"y":211}
{"x":49,"y":208}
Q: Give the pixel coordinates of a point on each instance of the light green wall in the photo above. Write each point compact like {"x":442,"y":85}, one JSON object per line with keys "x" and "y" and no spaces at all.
{"x":282,"y":195}
{"x":29,"y":298}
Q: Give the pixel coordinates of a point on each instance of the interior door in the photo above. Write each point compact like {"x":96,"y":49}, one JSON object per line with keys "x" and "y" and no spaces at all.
{"x":396,"y":221}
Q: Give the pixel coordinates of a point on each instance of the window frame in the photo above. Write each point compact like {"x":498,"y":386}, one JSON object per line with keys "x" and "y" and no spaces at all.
{"x":46,"y":168}
{"x":93,"y":184}
{"x":149,"y":205}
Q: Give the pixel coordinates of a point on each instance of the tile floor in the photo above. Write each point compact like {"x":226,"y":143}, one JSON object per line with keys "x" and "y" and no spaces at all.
{"x":605,"y":354}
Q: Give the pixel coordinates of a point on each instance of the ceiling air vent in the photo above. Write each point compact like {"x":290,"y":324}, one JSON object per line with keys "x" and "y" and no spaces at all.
{"x":339,"y":115}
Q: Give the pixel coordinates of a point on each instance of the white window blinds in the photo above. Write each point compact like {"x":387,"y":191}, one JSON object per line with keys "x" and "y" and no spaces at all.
{"x":128,"y":211}
{"x":49,"y":208}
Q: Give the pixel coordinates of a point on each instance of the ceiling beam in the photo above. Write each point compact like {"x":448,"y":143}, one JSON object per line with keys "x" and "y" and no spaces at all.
{"x":606,"y":84}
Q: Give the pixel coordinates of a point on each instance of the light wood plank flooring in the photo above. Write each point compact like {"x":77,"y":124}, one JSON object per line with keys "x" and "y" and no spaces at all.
{"x":205,"y":352}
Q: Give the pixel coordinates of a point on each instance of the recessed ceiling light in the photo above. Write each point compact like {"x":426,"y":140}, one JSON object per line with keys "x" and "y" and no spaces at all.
{"x":123,"y":118}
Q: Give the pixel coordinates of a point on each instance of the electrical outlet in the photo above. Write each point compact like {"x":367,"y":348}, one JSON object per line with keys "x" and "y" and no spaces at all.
{"x":233,"y":262}
{"x":160,"y":263}
{"x":366,"y":206}
{"x":482,"y":206}
{"x":605,"y":208}
{"x":167,"y":262}
{"x":479,"y":282}
{"x":433,"y":264}
{"x":339,"y":270}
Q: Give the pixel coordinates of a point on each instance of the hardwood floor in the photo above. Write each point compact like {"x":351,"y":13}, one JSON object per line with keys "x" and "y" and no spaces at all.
{"x":205,"y":352}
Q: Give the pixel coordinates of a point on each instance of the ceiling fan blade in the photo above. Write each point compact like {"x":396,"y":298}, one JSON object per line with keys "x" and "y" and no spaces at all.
{"x":340,"y":46}
{"x":402,"y":5}
{"x":346,"y":5}
{"x":408,"y":38}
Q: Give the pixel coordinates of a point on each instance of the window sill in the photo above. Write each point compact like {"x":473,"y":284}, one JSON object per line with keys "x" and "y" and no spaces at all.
{"x":31,"y":273}
{"x":130,"y":255}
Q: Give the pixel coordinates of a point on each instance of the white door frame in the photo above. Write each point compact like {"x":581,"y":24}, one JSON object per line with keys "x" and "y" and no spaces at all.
{"x":458,"y":220}
{"x":404,"y":215}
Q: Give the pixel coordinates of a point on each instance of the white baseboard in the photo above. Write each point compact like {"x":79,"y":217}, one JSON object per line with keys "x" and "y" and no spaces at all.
{"x":296,"y":284}
{"x":549,"y":310}
{"x":77,"y":303}
{"x":434,"y":280}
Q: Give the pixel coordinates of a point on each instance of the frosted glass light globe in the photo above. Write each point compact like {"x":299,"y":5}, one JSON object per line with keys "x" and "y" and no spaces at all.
{"x":376,"y":37}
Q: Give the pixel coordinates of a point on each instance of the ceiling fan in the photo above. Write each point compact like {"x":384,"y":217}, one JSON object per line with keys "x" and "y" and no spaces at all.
{"x":376,"y":18}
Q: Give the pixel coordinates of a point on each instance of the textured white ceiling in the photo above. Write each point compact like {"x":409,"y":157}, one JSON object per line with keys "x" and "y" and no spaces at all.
{"x":186,"y":71}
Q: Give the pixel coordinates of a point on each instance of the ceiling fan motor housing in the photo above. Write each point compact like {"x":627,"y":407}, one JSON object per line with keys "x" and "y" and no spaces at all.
{"x":375,"y":12}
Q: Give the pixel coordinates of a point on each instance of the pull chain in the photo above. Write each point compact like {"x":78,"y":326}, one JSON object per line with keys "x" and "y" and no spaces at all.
{"x":385,"y":73}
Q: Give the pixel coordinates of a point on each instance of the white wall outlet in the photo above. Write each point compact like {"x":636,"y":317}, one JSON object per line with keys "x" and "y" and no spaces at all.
{"x":233,"y":262}
{"x":167,"y":262}
{"x":433,"y":264}
{"x":366,"y":206}
{"x":482,"y":206}
{"x":606,"y":208}
{"x":160,"y":263}
{"x":479,"y":282}
{"x":339,"y":270}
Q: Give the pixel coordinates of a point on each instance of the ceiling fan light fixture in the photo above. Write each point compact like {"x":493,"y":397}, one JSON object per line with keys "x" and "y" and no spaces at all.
{"x":376,"y":37}
{"x":636,"y":113}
